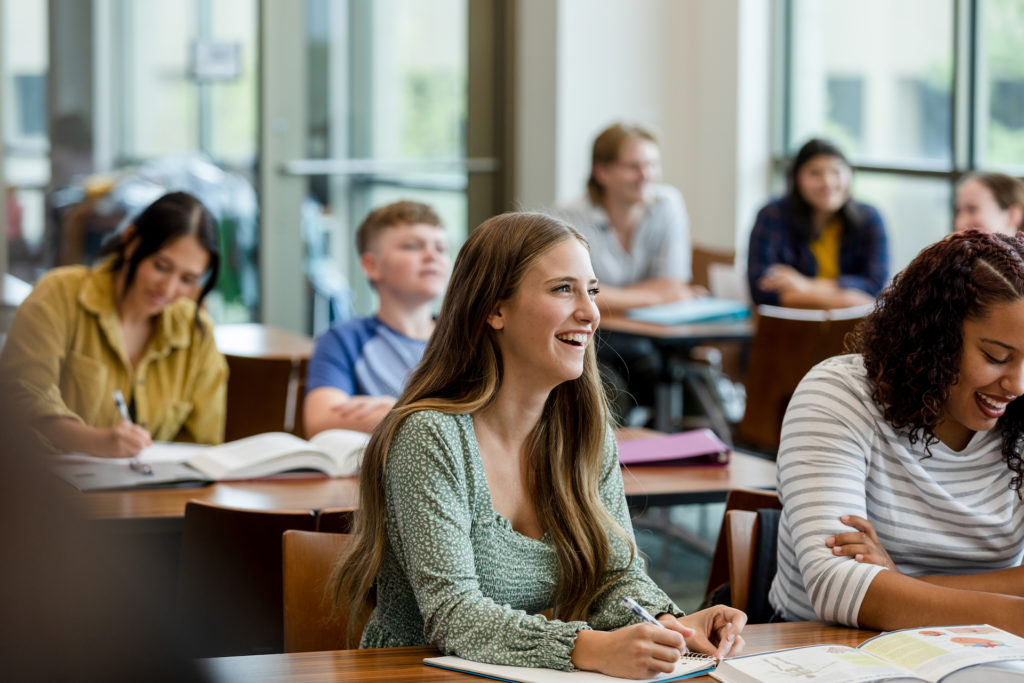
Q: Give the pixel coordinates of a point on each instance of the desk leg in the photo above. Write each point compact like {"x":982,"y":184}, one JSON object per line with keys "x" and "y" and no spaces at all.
{"x":668,"y":405}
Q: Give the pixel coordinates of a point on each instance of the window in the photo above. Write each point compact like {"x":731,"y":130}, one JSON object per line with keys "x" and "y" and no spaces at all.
{"x":891,"y":84}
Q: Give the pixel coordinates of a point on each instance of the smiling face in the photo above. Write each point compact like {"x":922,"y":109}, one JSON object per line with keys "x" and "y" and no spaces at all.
{"x":409,"y":262}
{"x":172,"y":272}
{"x":977,"y":209}
{"x":991,"y":374}
{"x":544,"y":328}
{"x":824,"y":183}
{"x":629,"y":178}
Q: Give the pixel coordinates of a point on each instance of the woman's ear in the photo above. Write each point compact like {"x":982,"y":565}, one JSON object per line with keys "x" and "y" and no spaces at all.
{"x":496,"y":320}
{"x":600,"y":173}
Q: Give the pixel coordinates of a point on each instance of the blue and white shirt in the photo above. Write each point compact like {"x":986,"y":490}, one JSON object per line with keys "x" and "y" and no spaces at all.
{"x":363,"y":357}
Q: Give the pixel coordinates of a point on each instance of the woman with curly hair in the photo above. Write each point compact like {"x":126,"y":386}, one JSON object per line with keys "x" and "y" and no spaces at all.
{"x":492,"y":520}
{"x":915,"y":442}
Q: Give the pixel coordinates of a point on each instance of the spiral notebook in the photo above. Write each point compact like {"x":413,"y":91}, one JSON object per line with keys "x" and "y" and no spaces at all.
{"x":692,"y":664}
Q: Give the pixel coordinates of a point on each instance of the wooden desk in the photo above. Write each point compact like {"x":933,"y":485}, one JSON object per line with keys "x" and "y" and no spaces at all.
{"x":645,"y":487}
{"x":671,"y":341}
{"x":253,"y":340}
{"x":688,"y":334}
{"x":402,"y":664}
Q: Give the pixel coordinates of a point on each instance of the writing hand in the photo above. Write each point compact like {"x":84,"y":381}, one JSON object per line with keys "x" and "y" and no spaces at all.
{"x":123,"y":440}
{"x":862,"y":545}
{"x":637,"y":651}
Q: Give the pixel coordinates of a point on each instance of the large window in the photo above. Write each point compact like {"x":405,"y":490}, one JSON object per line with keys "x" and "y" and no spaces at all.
{"x":892,"y":83}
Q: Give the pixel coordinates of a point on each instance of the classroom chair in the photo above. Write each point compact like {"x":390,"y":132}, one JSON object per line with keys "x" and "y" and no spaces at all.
{"x":229,"y":585}
{"x":310,"y":622}
{"x":335,"y":520}
{"x":719,"y":586}
{"x":787,"y":343}
{"x":264,"y":395}
{"x":752,"y":539}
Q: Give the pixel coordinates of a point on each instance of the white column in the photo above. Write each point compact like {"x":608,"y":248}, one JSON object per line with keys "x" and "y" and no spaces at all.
{"x":283,"y":297}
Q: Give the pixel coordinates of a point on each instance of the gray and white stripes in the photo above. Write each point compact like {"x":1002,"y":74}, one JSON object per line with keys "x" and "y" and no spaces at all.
{"x":951,"y":513}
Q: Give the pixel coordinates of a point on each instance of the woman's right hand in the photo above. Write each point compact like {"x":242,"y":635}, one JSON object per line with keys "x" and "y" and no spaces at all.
{"x":636,"y":651}
{"x":124,"y":440}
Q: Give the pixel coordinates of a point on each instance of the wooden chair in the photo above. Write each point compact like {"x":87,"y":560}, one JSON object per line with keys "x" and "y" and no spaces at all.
{"x":264,"y":395}
{"x":787,"y":343}
{"x":310,"y":622}
{"x":741,"y":530}
{"x":335,"y":520}
{"x":749,"y":500}
{"x":703,"y":257}
{"x":229,"y":588}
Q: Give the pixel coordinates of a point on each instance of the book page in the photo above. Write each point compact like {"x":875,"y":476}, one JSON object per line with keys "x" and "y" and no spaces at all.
{"x":159,"y":451}
{"x":524,"y":674}
{"x":934,"y":652}
{"x":826,"y":663}
{"x":260,"y":455}
{"x":345,"y":446}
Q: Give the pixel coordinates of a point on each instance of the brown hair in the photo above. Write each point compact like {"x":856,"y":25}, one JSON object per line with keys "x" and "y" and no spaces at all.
{"x":461,"y":373}
{"x":1007,"y":190}
{"x":607,"y":147}
{"x":388,"y":216}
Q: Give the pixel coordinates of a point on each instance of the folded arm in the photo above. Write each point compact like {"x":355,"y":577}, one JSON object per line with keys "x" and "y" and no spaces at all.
{"x":331,"y":408}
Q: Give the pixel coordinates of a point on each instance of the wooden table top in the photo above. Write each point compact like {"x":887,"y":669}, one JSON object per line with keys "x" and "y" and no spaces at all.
{"x":645,"y":486}
{"x":406,"y":663}
{"x":725,"y":330}
{"x":254,"y":340}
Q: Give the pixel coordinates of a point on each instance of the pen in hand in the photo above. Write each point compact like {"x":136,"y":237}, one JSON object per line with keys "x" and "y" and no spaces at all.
{"x":122,"y":408}
{"x":643,"y":614}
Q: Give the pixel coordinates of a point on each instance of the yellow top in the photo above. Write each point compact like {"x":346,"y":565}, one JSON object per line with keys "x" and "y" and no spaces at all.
{"x":826,"y":249}
{"x":65,"y":355}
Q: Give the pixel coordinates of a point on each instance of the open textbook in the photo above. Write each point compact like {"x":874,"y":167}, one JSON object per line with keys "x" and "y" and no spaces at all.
{"x":335,"y":452}
{"x":689,"y":665}
{"x":951,"y":654}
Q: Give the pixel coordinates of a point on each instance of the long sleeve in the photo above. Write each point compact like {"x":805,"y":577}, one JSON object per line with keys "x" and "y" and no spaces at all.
{"x":868,"y":258}
{"x":827,"y":437}
{"x":432,"y":516}
{"x":205,"y":424}
{"x":607,"y":612}
{"x":36,"y":353}
{"x":765,"y":250}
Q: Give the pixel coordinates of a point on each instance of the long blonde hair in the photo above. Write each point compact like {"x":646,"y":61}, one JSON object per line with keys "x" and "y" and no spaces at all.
{"x":460,"y":373}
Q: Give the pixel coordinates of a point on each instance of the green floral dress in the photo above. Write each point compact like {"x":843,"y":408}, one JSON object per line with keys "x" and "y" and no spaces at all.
{"x":455,"y":574}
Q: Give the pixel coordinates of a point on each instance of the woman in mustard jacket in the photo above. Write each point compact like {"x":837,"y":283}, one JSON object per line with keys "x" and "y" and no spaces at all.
{"x":130,"y":324}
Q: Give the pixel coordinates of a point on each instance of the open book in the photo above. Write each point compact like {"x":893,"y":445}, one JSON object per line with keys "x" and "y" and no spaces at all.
{"x":335,"y":452}
{"x":688,"y":666}
{"x":945,"y":653}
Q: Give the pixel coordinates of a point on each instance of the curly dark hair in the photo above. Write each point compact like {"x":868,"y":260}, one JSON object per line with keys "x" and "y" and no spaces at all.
{"x":913,"y":339}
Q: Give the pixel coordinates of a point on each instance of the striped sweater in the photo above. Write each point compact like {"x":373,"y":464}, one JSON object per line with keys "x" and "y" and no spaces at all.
{"x":951,"y":513}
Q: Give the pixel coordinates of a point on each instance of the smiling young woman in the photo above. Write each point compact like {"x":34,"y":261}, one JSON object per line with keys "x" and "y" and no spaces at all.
{"x":816,"y":247}
{"x":492,"y":520}
{"x":914,"y":442}
{"x":130,"y":324}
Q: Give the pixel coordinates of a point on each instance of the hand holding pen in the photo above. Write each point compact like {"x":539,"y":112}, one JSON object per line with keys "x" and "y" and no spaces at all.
{"x":126,"y":439}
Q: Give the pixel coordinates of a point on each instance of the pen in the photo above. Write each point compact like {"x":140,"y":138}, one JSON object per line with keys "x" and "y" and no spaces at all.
{"x":122,"y":407}
{"x":643,"y":614}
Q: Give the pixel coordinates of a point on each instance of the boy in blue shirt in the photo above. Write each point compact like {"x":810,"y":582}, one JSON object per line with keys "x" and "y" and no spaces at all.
{"x":360,"y":366}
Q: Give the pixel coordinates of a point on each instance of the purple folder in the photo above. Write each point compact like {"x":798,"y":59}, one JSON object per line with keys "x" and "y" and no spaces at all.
{"x":694,"y":447}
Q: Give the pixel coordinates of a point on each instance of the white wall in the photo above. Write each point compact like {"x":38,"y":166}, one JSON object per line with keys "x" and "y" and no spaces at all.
{"x":696,"y":71}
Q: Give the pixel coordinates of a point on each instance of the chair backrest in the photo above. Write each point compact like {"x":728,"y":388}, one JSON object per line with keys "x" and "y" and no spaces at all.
{"x":229,"y":584}
{"x":787,"y":343}
{"x":335,"y":520}
{"x":310,"y":621}
{"x":702,"y":259}
{"x":741,"y":540}
{"x":737,"y":499}
{"x":264,"y":395}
